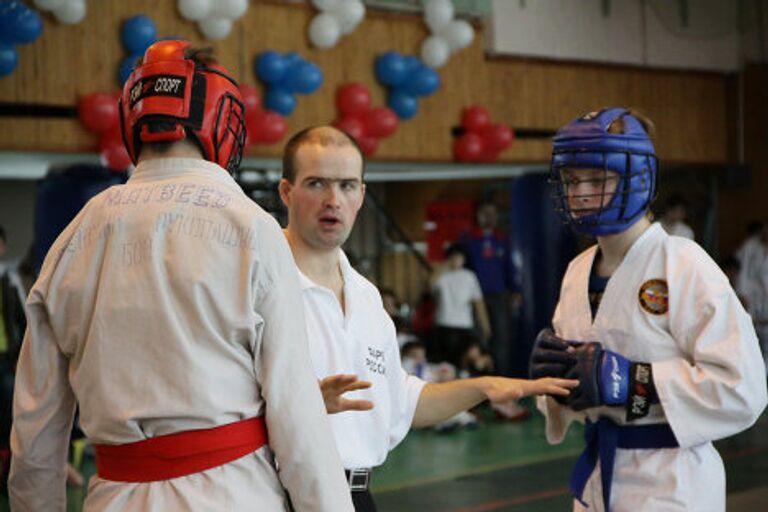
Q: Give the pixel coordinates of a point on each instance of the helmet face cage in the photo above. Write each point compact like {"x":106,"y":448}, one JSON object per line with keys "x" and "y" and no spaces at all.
{"x":634,"y":191}
{"x":206,"y":107}
{"x":629,"y":161}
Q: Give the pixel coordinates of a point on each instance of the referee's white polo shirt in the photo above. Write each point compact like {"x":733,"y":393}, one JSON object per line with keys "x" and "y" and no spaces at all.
{"x":361,"y":342}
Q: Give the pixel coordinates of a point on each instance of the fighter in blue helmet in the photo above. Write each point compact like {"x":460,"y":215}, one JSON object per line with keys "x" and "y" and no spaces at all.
{"x":666,"y":357}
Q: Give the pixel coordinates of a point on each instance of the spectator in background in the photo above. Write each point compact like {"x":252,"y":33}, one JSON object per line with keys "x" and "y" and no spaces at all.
{"x":673,"y":219}
{"x":752,"y":284}
{"x":752,"y":242}
{"x":393,"y":308}
{"x":458,"y":294}
{"x":488,"y":255}
{"x":731,"y":267}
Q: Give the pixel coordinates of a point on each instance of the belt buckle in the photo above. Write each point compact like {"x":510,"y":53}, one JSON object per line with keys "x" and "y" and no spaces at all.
{"x":358,"y":479}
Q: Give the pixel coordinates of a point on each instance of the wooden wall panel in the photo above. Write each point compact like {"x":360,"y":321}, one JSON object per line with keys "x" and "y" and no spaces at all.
{"x":70,"y":61}
{"x":742,"y":204}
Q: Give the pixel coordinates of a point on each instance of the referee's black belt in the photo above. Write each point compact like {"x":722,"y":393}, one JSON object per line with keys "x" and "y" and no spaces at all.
{"x":358,"y":479}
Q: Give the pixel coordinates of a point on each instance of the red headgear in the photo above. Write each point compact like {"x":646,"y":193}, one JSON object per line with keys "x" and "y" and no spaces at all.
{"x":169,"y":97}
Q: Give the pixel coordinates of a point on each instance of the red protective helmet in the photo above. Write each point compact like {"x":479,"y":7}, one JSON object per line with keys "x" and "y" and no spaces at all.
{"x":170,"y":97}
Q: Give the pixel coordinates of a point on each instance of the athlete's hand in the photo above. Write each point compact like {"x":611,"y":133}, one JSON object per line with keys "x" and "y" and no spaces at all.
{"x":334,"y":386}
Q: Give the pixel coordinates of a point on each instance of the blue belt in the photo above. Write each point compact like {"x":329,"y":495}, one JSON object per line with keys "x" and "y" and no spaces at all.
{"x":602,"y":439}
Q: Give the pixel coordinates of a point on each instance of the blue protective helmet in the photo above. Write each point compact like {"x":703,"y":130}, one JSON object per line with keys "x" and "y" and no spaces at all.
{"x":585,"y":143}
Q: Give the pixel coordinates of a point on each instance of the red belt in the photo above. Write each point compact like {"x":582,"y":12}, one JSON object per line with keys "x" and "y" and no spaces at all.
{"x":180,"y":454}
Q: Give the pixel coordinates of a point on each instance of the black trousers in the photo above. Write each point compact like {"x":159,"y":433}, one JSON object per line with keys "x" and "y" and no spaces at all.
{"x":363,"y":501}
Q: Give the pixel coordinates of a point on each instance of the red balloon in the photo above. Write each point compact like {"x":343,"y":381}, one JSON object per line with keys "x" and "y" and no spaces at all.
{"x":353,"y":99}
{"x":113,"y":151}
{"x":352,"y":126}
{"x":468,"y":147}
{"x":497,"y":137}
{"x":98,"y":112}
{"x":368,"y":144}
{"x":266,"y":127}
{"x":251,"y":97}
{"x":475,"y":117}
{"x":380,"y":122}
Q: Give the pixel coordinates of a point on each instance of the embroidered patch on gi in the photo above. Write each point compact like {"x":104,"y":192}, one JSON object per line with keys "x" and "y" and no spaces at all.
{"x":654,"y":296}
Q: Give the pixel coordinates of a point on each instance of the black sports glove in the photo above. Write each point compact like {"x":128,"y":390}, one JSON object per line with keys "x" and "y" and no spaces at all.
{"x":608,"y":378}
{"x":550,"y":356}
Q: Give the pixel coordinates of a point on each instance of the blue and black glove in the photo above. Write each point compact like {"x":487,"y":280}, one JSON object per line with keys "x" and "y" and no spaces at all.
{"x":608,"y":378}
{"x":550,"y":358}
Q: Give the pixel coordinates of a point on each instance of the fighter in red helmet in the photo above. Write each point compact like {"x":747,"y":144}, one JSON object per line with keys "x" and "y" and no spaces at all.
{"x":167,"y":310}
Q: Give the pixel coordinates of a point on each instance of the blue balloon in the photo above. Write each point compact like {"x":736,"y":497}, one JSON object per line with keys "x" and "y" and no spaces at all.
{"x":423,"y":81}
{"x":303,"y":77}
{"x":10,"y":12}
{"x":391,"y":69}
{"x":139,"y":33}
{"x":292,"y":58}
{"x":126,"y":68}
{"x":412,"y":63}
{"x":9,"y":58}
{"x":404,"y":104}
{"x":279,"y":100}
{"x":270,"y":67}
{"x":28,"y":27}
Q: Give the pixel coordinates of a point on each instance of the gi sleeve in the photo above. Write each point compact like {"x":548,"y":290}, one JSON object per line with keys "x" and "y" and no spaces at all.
{"x":297,"y":424}
{"x":43,"y":411}
{"x":718,"y":387}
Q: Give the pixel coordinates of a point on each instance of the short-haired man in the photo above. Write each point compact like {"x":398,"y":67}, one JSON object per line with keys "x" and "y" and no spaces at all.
{"x":350,"y":334}
{"x":169,"y":310}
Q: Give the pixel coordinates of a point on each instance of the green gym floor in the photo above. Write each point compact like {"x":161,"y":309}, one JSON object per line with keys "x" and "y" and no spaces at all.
{"x":500,"y":466}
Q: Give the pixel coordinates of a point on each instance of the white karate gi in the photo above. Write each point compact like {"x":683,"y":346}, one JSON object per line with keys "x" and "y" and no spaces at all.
{"x":706,"y":368}
{"x":170,"y":304}
{"x":361,"y":341}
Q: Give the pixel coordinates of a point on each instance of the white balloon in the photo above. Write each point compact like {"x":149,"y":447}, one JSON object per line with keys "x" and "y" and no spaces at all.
{"x":435,"y":51}
{"x":324,"y":31}
{"x":438,"y":13}
{"x":458,"y":33}
{"x":70,"y":12}
{"x":49,"y":5}
{"x":349,"y":14}
{"x":231,"y":9}
{"x":194,"y":10}
{"x":215,"y":28}
{"x":325,"y":5}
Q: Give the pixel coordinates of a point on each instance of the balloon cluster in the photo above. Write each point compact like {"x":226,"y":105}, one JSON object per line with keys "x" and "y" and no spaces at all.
{"x":100,"y":115}
{"x":336,"y":18}
{"x":68,"y":12}
{"x":407,"y":78}
{"x":214,"y":18}
{"x":362,"y":122}
{"x":139,"y":33}
{"x":284,"y":76}
{"x":448,"y":34}
{"x":18,"y":25}
{"x":263,"y":126}
{"x":482,"y":140}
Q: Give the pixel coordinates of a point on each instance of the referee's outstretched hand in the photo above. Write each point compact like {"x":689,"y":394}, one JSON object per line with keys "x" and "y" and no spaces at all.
{"x":500,"y":389}
{"x":334,"y":386}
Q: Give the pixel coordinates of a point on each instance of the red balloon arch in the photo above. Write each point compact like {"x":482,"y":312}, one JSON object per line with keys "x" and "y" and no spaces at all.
{"x":360,"y":120}
{"x":482,"y":140}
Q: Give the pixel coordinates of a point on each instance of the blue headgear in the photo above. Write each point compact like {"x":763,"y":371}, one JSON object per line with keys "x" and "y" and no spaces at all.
{"x":585,"y":143}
